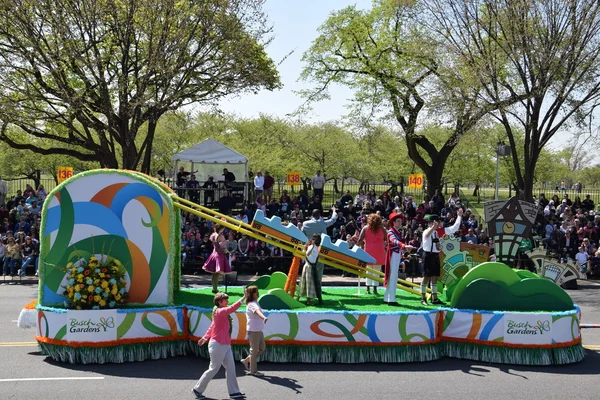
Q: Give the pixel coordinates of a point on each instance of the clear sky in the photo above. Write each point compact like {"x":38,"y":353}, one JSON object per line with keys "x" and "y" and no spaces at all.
{"x":295,"y":26}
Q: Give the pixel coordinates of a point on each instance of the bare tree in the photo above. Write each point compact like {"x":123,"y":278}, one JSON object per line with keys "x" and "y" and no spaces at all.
{"x":96,"y":76}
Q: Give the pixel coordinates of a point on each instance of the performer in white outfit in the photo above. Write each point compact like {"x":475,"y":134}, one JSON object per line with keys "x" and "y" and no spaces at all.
{"x":431,"y":250}
{"x":394,"y":256}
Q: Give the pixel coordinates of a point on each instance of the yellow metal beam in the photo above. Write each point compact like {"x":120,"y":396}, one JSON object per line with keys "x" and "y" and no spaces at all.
{"x":295,"y":250}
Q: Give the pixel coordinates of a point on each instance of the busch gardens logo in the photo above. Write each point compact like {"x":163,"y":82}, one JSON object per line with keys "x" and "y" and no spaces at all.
{"x":525,"y":328}
{"x":90,"y":326}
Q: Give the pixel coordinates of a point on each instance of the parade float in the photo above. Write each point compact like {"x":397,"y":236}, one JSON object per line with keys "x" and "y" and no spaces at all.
{"x":109,"y":291}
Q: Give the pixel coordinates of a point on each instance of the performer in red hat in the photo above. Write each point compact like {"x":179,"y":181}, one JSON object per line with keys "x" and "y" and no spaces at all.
{"x":431,"y":250}
{"x":394,"y":256}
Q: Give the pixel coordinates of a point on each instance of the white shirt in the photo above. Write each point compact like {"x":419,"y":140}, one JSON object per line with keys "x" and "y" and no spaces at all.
{"x":259,"y":182}
{"x":428,"y":245}
{"x":318,"y":181}
{"x":255,"y":323}
{"x":314,"y":254}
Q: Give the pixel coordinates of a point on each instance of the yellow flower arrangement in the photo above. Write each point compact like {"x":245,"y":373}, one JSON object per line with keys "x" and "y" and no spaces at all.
{"x":95,"y":284}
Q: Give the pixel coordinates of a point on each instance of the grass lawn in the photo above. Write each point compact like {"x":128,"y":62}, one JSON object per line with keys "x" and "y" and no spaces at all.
{"x":337,"y":299}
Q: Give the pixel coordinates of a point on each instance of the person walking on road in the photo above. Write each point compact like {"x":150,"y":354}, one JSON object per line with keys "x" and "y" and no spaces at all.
{"x":218,"y":337}
{"x":256,"y":324}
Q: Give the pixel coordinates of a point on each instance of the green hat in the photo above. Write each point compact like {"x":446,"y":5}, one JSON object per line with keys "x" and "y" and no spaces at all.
{"x":432,"y":217}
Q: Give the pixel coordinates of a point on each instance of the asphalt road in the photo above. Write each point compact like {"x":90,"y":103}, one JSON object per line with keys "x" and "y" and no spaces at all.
{"x":173,"y":378}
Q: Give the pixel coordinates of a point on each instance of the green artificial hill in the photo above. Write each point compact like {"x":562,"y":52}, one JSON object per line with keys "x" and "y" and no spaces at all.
{"x":336,"y":299}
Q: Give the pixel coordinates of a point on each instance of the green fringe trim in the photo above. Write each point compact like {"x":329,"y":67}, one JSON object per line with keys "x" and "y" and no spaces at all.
{"x":334,"y":354}
{"x":514,"y":355}
{"x":116,"y":354}
{"x":321,"y":354}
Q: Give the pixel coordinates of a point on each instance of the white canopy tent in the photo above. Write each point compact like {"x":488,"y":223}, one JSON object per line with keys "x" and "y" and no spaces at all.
{"x":210,"y":157}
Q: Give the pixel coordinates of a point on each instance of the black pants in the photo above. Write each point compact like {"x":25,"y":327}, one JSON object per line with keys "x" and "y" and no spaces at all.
{"x":431,"y":264}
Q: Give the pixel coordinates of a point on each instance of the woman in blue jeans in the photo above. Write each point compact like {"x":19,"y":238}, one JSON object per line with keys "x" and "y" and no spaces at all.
{"x":12,"y":254}
{"x":29,"y":254}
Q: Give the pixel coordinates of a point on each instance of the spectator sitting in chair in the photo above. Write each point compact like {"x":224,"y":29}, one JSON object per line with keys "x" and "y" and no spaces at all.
{"x":244,"y":247}
{"x":226,"y":203}
{"x":242,"y":216}
{"x":273,"y":208}
{"x":470,"y":237}
{"x":206,"y":247}
{"x":346,"y":198}
{"x":262,"y":255}
{"x":193,"y":187}
{"x":209,"y":191}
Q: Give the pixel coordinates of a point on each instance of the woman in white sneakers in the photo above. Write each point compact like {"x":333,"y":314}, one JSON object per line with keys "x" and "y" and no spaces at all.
{"x":256,"y":323}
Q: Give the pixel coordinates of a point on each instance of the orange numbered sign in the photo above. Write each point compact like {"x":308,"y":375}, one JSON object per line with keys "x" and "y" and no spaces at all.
{"x":415,"y":181}
{"x":293,"y":178}
{"x":64,"y":173}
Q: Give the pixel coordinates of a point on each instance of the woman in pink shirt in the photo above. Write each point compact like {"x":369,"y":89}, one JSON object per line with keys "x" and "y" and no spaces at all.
{"x":219,"y":347}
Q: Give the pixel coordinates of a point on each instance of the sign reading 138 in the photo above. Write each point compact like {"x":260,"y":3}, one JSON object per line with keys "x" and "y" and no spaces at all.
{"x":293,"y":178}
{"x":64,"y":173}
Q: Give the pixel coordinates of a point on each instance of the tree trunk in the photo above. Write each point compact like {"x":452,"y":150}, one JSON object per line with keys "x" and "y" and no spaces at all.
{"x":434,"y":179}
{"x":130,"y":160}
{"x":305,"y":184}
{"x":36,"y":177}
{"x":525,"y":190}
{"x":148,"y":149}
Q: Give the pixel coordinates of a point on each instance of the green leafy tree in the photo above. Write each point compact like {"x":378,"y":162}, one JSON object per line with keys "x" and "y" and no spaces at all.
{"x":108,"y":70}
{"x":29,"y":165}
{"x":397,"y":69}
{"x":544,"y":51}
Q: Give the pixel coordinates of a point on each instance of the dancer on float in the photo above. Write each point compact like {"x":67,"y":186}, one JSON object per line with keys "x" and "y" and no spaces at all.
{"x":219,"y":347}
{"x":431,"y":250}
{"x":310,"y":284}
{"x":318,"y":225}
{"x":218,"y":262}
{"x":393,"y":258}
{"x":373,"y":240}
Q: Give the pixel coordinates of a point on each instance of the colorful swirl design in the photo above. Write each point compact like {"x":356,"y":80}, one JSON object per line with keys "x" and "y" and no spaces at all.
{"x":106,"y":213}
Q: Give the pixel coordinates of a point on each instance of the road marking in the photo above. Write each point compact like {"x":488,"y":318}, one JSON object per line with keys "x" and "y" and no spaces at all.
{"x":18,"y":344}
{"x":74,"y":378}
{"x":594,"y":347}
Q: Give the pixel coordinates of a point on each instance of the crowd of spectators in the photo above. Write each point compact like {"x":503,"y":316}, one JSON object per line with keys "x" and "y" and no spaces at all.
{"x":20,"y":231}
{"x":352,"y":212}
{"x":570,"y":229}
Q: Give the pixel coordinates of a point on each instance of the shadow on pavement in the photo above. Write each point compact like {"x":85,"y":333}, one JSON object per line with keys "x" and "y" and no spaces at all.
{"x":191,"y":367}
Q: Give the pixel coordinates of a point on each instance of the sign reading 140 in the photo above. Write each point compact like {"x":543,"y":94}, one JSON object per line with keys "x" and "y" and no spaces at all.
{"x":415,"y":181}
{"x":64,"y":173}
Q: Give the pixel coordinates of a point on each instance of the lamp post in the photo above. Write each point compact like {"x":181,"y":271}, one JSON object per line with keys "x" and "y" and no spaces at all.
{"x":501,"y":150}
